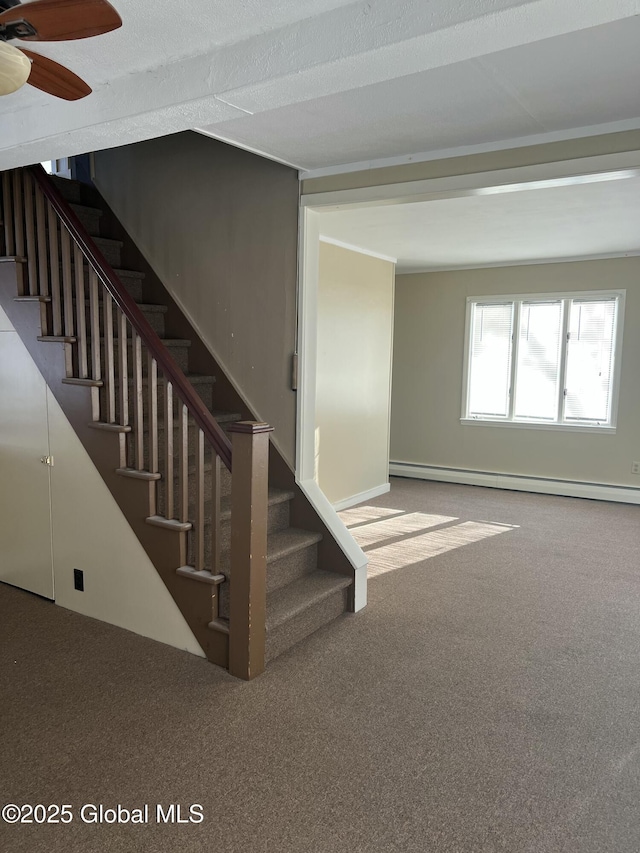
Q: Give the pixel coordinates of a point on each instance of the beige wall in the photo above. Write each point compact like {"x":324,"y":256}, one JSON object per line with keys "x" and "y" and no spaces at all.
{"x":427,"y":377}
{"x":355,"y":330}
{"x":90,"y":533}
{"x":219,"y":227}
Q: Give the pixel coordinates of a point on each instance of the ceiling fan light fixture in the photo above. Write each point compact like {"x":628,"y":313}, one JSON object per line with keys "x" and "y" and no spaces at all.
{"x":15,"y":68}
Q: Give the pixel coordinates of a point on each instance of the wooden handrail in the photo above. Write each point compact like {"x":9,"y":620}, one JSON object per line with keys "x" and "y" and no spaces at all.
{"x":125,"y":302}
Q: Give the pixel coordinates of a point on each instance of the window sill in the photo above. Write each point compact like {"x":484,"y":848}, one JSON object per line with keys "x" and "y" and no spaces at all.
{"x":607,"y":430}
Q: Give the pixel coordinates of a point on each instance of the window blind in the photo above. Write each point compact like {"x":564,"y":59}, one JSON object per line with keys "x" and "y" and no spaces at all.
{"x":538,"y":361}
{"x":590,"y":360}
{"x":490,"y":360}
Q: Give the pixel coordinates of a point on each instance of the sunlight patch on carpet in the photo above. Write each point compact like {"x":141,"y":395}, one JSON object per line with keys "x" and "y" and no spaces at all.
{"x":365,"y":514}
{"x":390,"y":528}
{"x":408,"y":552}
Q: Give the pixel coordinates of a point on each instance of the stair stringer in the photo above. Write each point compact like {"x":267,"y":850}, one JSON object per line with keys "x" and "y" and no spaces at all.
{"x":166,"y":548}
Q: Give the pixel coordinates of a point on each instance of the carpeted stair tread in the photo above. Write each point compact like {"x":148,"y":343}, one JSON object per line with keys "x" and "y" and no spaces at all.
{"x":145,"y":307}
{"x":221,"y":417}
{"x":289,"y":541}
{"x":107,"y":243}
{"x":276,"y":496}
{"x":128,"y":273}
{"x":281,"y":544}
{"x":168,"y":342}
{"x":85,"y":208}
{"x":89,"y":217}
{"x":291,"y":600}
{"x":194,"y":379}
{"x":117,"y":270}
{"x":226,"y":417}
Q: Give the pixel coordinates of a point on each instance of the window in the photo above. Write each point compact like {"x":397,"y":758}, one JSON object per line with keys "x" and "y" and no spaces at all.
{"x":550,"y":360}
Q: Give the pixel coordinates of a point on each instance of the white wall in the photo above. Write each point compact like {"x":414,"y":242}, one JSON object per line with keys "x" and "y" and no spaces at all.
{"x":428,"y":367}
{"x":90,"y":533}
{"x":355,"y":332}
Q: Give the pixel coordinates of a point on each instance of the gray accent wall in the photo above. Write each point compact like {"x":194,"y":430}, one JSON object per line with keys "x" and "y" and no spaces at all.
{"x":220,"y":228}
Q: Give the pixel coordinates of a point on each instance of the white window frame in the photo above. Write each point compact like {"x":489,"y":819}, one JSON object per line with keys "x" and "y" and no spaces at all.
{"x":518,"y":299}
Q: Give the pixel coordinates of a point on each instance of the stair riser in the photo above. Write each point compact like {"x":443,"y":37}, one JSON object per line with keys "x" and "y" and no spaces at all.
{"x":191,"y":444}
{"x":205,"y":391}
{"x":130,"y":449}
{"x":154,"y":318}
{"x":69,"y":190}
{"x":225,"y":483}
{"x":180,"y":355}
{"x":285,"y":569}
{"x":225,"y":487}
{"x":313,"y":618}
{"x":277,"y":520}
{"x":89,"y":218}
{"x":294,"y":565}
{"x":205,"y":387}
{"x":112,"y":253}
{"x":132,"y":284}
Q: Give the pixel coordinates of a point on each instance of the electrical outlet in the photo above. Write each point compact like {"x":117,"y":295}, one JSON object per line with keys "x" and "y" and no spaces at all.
{"x":635,"y":467}
{"x":78,"y":580}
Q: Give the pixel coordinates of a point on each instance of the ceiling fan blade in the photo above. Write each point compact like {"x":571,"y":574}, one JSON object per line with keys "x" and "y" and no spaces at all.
{"x":55,"y":79}
{"x":60,"y":20}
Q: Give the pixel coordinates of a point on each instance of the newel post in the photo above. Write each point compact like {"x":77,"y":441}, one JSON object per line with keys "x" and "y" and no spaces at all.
{"x":248,"y":576}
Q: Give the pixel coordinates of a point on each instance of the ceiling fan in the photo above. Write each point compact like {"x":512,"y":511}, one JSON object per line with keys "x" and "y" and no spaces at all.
{"x":48,"y":20}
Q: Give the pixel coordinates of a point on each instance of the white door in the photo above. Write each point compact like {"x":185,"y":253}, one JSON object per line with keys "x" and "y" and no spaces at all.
{"x":25,"y":491}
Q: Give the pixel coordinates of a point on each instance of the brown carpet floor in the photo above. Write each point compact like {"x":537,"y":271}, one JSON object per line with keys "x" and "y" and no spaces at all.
{"x":487,"y":699}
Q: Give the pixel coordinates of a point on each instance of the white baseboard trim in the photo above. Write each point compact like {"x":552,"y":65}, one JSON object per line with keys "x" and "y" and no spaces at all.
{"x":343,"y":537}
{"x":361,"y":497}
{"x":540,"y":485}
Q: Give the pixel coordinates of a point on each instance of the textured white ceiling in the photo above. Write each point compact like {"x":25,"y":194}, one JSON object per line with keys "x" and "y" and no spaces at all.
{"x":582,"y":79}
{"x":318,"y":83}
{"x":532,"y":225}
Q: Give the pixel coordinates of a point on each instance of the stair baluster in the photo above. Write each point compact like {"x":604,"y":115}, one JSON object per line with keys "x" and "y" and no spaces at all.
{"x":30,"y":233}
{"x":123,"y":369}
{"x":199,"y":501}
{"x":94,"y":325}
{"x":153,"y":416}
{"x":138,"y":416}
{"x":168,"y":449}
{"x":67,"y":291}
{"x":18,"y":208}
{"x":216,"y":490}
{"x":183,"y":462}
{"x":54,"y":271}
{"x":81,"y":313}
{"x":109,"y":361}
{"x":7,"y":215}
{"x":41,"y":244}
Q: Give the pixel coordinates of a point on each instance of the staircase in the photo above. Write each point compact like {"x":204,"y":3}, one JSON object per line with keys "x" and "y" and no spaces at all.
{"x":162,"y":432}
